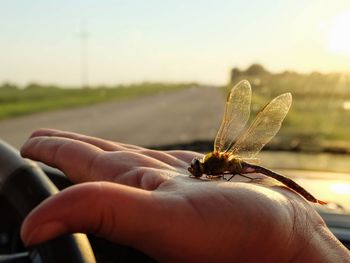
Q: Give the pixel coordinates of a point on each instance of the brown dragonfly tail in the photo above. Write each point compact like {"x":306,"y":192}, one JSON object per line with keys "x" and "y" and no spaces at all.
{"x":251,"y":168}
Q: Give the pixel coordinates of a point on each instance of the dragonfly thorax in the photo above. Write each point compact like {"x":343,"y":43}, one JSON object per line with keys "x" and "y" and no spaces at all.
{"x":215,"y":163}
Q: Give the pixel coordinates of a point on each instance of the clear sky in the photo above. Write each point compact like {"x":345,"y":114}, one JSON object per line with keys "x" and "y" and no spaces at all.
{"x":163,"y":40}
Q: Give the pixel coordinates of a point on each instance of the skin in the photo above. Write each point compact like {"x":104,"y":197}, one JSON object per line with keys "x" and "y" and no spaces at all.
{"x":145,"y":199}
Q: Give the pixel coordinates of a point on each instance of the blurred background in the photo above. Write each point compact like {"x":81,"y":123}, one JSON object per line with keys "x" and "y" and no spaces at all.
{"x":156,"y":73}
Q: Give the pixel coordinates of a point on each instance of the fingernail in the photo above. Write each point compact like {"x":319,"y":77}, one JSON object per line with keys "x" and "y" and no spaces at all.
{"x":44,"y":232}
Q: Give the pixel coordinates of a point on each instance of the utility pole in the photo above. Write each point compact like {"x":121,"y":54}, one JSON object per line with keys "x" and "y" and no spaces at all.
{"x":84,"y":65}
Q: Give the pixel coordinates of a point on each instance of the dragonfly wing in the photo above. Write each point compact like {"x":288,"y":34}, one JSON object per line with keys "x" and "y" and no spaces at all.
{"x":252,"y":160}
{"x":236,"y":115}
{"x":264,"y":128}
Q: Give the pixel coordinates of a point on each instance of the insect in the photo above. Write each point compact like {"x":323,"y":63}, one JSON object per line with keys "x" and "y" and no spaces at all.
{"x":234,"y":150}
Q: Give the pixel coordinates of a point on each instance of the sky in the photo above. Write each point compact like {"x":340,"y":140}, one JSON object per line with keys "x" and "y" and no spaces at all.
{"x":126,"y":41}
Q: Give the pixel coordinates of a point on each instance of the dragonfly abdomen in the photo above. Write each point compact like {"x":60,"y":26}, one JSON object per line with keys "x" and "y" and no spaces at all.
{"x":250,"y":168}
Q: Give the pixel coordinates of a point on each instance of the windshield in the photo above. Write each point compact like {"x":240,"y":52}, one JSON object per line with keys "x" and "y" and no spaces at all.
{"x":157,"y":73}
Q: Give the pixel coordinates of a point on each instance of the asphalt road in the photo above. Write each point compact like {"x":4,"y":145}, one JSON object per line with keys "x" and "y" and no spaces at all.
{"x":168,"y":118}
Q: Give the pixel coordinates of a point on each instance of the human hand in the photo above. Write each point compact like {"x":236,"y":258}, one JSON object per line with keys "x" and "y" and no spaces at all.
{"x":145,"y":199}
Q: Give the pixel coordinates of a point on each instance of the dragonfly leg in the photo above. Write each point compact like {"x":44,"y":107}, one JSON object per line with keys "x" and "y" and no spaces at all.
{"x":240,"y":175}
{"x":246,"y":176}
{"x":230,"y":177}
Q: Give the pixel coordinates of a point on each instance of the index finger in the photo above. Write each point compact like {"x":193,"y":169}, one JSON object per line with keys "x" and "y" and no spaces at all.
{"x":101,"y":143}
{"x":82,"y":162}
{"x":73,"y":157}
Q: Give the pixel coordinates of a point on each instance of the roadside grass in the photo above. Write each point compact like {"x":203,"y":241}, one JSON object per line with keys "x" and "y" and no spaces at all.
{"x":319,"y":119}
{"x":35,"y":98}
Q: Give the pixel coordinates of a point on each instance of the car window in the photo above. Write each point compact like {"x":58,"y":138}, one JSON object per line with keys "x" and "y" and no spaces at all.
{"x":157,"y":73}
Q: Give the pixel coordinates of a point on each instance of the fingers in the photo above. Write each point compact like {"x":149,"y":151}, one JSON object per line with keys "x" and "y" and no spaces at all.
{"x":74,"y":158}
{"x":165,"y":157}
{"x":185,"y":156}
{"x":106,"y":209}
{"x":102,"y":144}
{"x":179,"y":159}
{"x":83,"y":162}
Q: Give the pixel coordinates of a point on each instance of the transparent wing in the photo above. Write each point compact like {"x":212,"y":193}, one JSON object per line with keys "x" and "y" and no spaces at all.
{"x":264,"y":128}
{"x":236,"y":115}
{"x":251,"y":160}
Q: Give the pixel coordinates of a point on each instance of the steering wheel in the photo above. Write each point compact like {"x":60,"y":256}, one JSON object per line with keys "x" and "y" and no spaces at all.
{"x":24,"y":185}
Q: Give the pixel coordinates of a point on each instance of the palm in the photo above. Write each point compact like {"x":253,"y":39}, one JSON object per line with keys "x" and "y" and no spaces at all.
{"x":223,"y":219}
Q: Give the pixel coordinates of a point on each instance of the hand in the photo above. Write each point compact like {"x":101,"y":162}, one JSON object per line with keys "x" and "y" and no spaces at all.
{"x":146,"y":199}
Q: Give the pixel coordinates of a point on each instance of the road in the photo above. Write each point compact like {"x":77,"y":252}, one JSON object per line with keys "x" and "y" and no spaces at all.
{"x":166,"y":118}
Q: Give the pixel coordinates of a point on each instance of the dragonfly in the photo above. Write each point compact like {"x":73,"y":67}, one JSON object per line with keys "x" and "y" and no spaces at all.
{"x":235,"y":148}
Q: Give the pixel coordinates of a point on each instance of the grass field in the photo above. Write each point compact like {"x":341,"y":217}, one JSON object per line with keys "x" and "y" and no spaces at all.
{"x":16,"y":101}
{"x":319,"y":119}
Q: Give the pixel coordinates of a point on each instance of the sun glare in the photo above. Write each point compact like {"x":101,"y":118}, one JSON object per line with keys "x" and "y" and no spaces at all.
{"x":340,"y":188}
{"x":339,"y":34}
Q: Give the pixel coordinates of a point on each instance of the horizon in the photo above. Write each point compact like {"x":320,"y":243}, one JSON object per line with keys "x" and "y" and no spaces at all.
{"x":123,"y":42}
{"x":43,"y":84}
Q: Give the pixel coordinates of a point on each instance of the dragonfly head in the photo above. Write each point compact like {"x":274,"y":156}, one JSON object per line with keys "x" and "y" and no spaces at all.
{"x":196,"y":167}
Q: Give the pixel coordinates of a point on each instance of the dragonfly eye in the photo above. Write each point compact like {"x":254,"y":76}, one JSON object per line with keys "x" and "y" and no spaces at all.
{"x":195,"y":168}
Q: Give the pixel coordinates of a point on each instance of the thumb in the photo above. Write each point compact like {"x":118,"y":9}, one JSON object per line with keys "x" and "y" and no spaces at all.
{"x":116,"y":212}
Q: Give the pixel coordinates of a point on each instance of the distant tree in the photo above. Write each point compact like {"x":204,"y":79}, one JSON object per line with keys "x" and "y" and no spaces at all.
{"x":9,"y":85}
{"x":256,"y":69}
{"x":33,"y":85}
{"x":235,"y":73}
